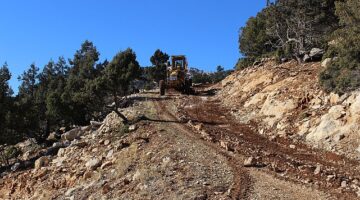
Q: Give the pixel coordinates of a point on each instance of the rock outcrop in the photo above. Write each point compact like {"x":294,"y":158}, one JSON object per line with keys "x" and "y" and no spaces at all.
{"x":286,"y":100}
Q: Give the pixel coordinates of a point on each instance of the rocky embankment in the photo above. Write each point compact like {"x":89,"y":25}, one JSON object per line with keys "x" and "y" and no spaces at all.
{"x":150,"y":159}
{"x":286,"y":100}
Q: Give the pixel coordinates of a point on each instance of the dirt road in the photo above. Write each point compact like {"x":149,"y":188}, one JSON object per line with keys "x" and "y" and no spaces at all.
{"x":291,"y":170}
{"x":186,"y":147}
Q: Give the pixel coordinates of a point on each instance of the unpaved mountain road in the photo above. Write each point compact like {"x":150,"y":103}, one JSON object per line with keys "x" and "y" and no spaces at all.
{"x":280,"y":168}
{"x":183,"y":147}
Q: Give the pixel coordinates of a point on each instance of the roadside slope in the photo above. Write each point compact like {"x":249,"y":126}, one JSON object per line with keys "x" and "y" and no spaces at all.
{"x":285,"y":100}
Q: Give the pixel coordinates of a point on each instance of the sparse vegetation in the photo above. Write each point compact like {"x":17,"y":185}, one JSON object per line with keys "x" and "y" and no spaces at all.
{"x":200,"y":76}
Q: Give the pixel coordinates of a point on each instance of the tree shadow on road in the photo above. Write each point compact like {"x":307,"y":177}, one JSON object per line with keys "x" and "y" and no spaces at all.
{"x":144,"y":118}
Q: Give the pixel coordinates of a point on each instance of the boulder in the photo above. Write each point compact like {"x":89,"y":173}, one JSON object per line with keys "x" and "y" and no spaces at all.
{"x":316,"y":53}
{"x":250,"y":162}
{"x":58,"y":144}
{"x":276,"y":109}
{"x":93,"y":164}
{"x":306,"y":58}
{"x":355,"y":106}
{"x":304,"y":128}
{"x":106,"y":142}
{"x":26,"y":155}
{"x":96,"y":124}
{"x":110,"y":153}
{"x":343,"y":184}
{"x":132,"y":127}
{"x":110,"y":123}
{"x":62,"y":129}
{"x":42,"y":161}
{"x":86,"y":128}
{"x":317,"y":170}
{"x":199,"y":127}
{"x":337,"y":112}
{"x":15,"y":167}
{"x":72,"y":134}
{"x":326,"y":62}
{"x":61,"y":152}
{"x":338,"y":137}
{"x":26,"y":143}
{"x":256,"y":99}
{"x":316,"y":103}
{"x":137,"y":175}
{"x":53,"y":137}
{"x":334,"y":98}
{"x":329,"y":125}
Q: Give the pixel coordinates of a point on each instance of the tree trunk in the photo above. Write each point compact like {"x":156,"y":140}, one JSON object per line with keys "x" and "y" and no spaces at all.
{"x":116,"y":109}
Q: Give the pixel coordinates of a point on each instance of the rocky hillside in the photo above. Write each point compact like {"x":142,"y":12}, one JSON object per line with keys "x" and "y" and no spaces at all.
{"x":285,"y":100}
{"x":109,"y":160}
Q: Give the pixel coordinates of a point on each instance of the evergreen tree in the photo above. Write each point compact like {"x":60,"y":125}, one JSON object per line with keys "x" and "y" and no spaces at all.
{"x":119,"y":73}
{"x":343,"y":73}
{"x":5,"y":102}
{"x":5,"y":76}
{"x":30,"y":115}
{"x":254,"y":41}
{"x":159,"y":60}
{"x":80,"y":94}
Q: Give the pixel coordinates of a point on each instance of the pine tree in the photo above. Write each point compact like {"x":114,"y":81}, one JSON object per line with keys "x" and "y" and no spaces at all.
{"x":79,"y":92}
{"x":159,"y":60}
{"x":343,"y":73}
{"x":30,"y":115}
{"x":123,"y":69}
{"x":5,"y":103}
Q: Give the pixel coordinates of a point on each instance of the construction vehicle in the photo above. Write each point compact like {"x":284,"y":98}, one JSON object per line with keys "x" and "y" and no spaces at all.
{"x":178,"y":76}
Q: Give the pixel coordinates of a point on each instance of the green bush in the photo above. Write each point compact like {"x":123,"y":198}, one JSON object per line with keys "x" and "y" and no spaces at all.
{"x":244,"y":63}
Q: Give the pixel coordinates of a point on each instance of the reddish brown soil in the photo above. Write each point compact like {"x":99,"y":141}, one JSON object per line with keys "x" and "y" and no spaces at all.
{"x":274,"y":156}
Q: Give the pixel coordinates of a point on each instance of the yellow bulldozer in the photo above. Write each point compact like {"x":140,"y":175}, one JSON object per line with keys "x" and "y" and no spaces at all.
{"x":178,"y":76}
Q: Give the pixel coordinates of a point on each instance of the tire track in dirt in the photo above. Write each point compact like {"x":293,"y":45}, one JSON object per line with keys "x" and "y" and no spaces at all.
{"x":242,"y":183}
{"x":276,"y":156}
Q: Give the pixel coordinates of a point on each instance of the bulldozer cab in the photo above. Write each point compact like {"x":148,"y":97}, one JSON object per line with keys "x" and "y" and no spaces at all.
{"x":179,"y":62}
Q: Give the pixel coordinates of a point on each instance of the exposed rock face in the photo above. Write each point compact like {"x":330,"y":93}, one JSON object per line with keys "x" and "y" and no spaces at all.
{"x":275,"y":109}
{"x":328,"y":126}
{"x":286,"y":100}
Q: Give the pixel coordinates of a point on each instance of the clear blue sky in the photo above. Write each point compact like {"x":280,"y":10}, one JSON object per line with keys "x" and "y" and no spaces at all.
{"x":204,"y":30}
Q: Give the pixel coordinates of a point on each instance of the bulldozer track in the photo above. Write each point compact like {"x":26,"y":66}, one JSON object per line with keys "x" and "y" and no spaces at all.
{"x":242,"y":183}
